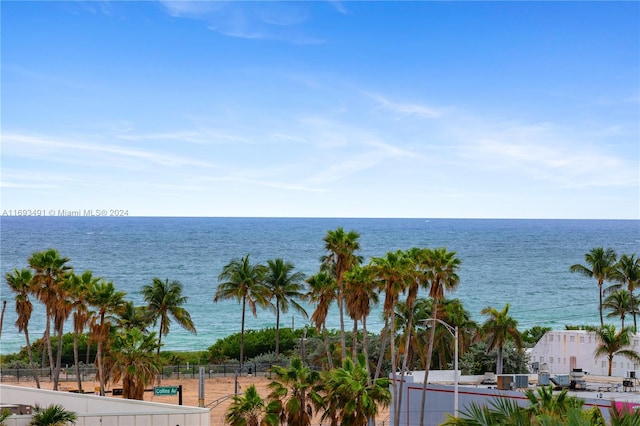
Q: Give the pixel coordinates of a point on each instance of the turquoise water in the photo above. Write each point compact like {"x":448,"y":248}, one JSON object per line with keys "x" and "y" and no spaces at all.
{"x":522,"y":262}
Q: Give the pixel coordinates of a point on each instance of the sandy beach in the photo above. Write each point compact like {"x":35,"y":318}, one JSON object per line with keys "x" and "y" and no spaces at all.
{"x":216,"y":390}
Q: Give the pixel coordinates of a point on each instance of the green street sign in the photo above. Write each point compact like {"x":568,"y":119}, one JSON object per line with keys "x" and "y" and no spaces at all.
{"x":165,"y":390}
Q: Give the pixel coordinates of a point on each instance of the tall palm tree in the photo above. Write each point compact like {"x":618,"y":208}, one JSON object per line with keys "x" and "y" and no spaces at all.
{"x":165,"y":301}
{"x":20,"y":283}
{"x":322,"y":293}
{"x":499,"y":328}
{"x":295,"y":390}
{"x":612,"y":343}
{"x":441,"y":269}
{"x":350,"y":400}
{"x":392,"y":273}
{"x":360,"y":297}
{"x":108,"y":301}
{"x":285,"y":287}
{"x":134,"y":361}
{"x":341,"y":247}
{"x":50,"y":270}
{"x":243,"y":281}
{"x":600,"y":263}
{"x":619,"y":303}
{"x":78,"y":286}
{"x":627,"y":271}
{"x":250,"y":409}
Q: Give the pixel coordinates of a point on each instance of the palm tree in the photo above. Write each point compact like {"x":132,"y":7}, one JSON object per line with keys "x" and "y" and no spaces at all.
{"x":250,"y":410}
{"x":20,"y":283}
{"x":132,"y":316}
{"x":53,"y":415}
{"x":50,"y":270}
{"x":165,"y":301}
{"x":499,"y":328}
{"x":612,"y":343}
{"x":619,"y":303}
{"x":78,"y":287}
{"x":295,"y":390}
{"x":360,"y":296}
{"x":600,"y":266}
{"x":134,"y":361}
{"x":322,"y":293}
{"x":285,"y":287}
{"x":441,"y":270}
{"x":627,"y":271}
{"x":244,"y":282}
{"x":108,"y":301}
{"x":392,"y":275}
{"x":350,"y":400}
{"x":341,"y":247}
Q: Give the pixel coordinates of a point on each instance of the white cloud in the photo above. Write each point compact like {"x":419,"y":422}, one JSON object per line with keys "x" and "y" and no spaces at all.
{"x":405,"y":109}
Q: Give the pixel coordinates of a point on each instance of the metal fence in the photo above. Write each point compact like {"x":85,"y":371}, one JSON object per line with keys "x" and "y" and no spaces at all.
{"x":184,"y":371}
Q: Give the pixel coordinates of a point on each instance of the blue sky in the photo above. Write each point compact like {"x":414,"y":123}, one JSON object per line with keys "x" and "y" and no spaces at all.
{"x":323,"y":109}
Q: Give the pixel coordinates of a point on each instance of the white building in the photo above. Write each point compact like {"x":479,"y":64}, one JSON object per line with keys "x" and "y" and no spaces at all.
{"x":562,"y":351}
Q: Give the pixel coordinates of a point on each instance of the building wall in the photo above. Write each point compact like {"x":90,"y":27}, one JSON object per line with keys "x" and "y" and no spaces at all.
{"x":566,"y":349}
{"x":99,"y":410}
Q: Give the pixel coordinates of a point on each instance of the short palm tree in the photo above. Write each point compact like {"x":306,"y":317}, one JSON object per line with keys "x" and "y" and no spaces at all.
{"x":165,"y":301}
{"x":349,"y":398}
{"x":250,"y":409}
{"x":20,"y":283}
{"x":53,"y":415}
{"x":600,"y":263}
{"x":295,"y":390}
{"x":627,"y":271}
{"x":243,"y":281}
{"x":285,"y":286}
{"x":612,"y":343}
{"x":619,"y":303}
{"x":499,"y":328}
{"x":322,"y":293}
{"x":360,"y":297}
{"x":134,"y":362}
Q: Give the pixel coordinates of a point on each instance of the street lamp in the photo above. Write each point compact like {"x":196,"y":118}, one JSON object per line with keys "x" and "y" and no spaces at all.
{"x":454,"y":332}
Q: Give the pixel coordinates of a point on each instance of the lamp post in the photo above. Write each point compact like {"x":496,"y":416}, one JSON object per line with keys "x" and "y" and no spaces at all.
{"x":454,"y":332}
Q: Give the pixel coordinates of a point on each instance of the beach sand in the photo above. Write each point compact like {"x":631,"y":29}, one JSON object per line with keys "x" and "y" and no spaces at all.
{"x":216,"y":391}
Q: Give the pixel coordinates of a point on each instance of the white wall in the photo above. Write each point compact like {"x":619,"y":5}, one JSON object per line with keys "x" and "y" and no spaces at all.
{"x":104,"y":411}
{"x":556,"y":349}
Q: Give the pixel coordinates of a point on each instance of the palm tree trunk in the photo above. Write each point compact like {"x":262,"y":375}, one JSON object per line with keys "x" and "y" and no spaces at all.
{"x":76,"y":360}
{"x":601,"y":319}
{"x":354,"y":341}
{"x":326,"y":344}
{"x":392,"y":344}
{"x":383,"y":348}
{"x":244,"y":302}
{"x":610,"y":364}
{"x":499,"y":361}
{"x":4,"y":308}
{"x":407,"y":337}
{"x":47,"y":339}
{"x":58,"y":367}
{"x":278,"y":330}
{"x":343,"y":342}
{"x":432,"y":333}
{"x":364,"y":346}
{"x":30,"y":354}
{"x":159,"y":381}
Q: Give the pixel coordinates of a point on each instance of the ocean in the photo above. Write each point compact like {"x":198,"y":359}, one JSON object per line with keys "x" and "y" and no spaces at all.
{"x":521,"y":262}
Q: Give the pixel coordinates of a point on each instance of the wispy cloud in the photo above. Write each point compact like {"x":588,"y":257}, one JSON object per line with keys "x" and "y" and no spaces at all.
{"x":405,"y":108}
{"x":280,"y":21}
{"x":29,"y":145}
